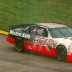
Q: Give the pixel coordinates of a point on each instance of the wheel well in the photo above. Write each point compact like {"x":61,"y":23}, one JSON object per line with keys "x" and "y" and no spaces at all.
{"x":60,"y":45}
{"x":64,"y":52}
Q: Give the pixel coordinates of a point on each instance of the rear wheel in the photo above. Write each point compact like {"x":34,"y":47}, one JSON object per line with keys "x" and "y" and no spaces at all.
{"x":61,"y":53}
{"x":19,"y":45}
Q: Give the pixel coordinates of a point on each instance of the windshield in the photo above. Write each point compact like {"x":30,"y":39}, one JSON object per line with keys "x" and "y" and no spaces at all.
{"x":60,"y":32}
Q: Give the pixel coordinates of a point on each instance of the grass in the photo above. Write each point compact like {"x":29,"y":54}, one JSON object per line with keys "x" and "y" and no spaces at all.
{"x":32,"y":11}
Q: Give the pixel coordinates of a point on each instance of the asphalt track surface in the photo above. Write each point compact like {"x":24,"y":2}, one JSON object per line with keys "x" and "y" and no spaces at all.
{"x":12,"y":61}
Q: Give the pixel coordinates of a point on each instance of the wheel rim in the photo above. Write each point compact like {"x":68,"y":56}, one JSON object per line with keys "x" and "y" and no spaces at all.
{"x":19,"y":45}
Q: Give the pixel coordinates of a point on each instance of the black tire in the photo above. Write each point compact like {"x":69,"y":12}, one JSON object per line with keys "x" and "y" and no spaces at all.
{"x":61,"y":53}
{"x":19,"y":45}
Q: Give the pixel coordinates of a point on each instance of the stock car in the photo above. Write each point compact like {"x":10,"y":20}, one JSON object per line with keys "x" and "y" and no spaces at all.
{"x":45,"y":38}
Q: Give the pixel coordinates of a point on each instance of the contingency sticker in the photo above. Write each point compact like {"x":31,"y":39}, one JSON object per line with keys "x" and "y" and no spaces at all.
{"x":20,"y":34}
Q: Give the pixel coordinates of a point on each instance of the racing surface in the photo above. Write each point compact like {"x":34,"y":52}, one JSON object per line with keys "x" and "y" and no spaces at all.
{"x":12,"y":61}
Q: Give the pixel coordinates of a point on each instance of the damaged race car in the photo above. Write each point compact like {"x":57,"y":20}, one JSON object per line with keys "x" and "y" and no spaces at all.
{"x":46,"y":38}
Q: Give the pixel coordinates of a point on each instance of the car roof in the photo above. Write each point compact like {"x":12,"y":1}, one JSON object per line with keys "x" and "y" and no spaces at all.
{"x":51,"y":25}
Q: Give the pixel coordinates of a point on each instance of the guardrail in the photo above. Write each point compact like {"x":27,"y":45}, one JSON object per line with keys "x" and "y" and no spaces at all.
{"x":4,"y":32}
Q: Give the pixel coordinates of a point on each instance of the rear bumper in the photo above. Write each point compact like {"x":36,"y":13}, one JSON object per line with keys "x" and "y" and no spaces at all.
{"x":10,"y":40}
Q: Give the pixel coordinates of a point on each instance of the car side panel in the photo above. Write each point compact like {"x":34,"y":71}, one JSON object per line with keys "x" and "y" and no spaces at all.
{"x":43,"y":50}
{"x":34,"y":48}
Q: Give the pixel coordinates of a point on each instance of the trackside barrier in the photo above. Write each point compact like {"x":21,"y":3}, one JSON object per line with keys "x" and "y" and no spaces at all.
{"x":4,"y":32}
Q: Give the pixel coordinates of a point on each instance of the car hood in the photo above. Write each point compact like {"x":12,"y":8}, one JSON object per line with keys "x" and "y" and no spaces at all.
{"x":69,"y":38}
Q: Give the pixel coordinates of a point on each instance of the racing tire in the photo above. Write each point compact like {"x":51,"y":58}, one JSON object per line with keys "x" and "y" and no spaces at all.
{"x":19,"y":45}
{"x":61,"y":53}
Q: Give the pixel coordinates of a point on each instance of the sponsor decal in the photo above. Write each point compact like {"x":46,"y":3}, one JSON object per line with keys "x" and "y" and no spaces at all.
{"x":43,"y":41}
{"x":26,"y":35}
{"x":15,"y":33}
{"x":51,"y":42}
{"x":36,"y":41}
{"x":20,"y":34}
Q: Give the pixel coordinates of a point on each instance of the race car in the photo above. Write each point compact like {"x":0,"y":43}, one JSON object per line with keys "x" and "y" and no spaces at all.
{"x":45,"y":38}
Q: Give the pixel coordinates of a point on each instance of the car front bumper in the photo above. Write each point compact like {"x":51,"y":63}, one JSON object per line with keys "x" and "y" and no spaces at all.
{"x":69,"y":58}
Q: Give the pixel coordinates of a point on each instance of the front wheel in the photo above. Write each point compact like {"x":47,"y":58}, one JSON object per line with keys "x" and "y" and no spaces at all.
{"x":19,"y":45}
{"x":61,"y":53}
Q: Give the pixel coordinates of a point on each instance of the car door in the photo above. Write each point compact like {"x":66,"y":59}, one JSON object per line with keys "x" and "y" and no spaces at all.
{"x":40,"y":39}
